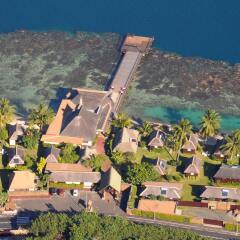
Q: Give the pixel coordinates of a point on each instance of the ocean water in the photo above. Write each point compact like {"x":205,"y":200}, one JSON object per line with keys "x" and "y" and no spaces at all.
{"x":204,"y":28}
{"x":173,"y":115}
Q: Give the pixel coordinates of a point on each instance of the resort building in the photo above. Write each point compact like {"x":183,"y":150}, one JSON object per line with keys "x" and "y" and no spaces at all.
{"x":190,"y":146}
{"x":85,"y":113}
{"x":172,"y":191}
{"x":70,"y":173}
{"x":52,"y":154}
{"x":227,"y":173}
{"x":218,"y":152}
{"x":80,"y":117}
{"x":160,"y":166}
{"x":156,"y":139}
{"x":110,"y":185}
{"x":221,"y":193}
{"x":16,"y":156}
{"x":15,"y":132}
{"x":126,"y":140}
{"x":192,"y":167}
{"x":22,"y":181}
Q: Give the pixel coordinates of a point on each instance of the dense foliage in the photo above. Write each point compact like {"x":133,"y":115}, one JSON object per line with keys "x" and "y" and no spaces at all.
{"x":68,"y":154}
{"x":91,"y":226}
{"x":41,"y":116}
{"x":31,"y":138}
{"x":95,"y":162}
{"x":210,"y":123}
{"x":6,"y":112}
{"x":139,"y":173}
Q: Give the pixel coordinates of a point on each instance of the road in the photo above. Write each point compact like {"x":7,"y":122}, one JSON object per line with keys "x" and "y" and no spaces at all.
{"x":203,"y":231}
{"x":29,"y":208}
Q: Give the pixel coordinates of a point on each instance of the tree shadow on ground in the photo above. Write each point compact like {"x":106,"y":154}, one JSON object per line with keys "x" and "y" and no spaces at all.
{"x":210,"y":169}
{"x":197,"y":190}
{"x":182,"y":163}
{"x":4,"y":177}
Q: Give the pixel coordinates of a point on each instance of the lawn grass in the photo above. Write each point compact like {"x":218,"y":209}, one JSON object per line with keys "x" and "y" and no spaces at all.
{"x":143,"y":154}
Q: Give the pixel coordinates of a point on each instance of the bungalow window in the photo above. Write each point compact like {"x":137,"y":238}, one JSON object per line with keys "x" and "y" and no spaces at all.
{"x":164,"y":191}
{"x":225,"y":193}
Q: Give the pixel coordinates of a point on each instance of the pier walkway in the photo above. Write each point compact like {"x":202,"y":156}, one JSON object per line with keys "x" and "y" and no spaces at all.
{"x":133,"y":49}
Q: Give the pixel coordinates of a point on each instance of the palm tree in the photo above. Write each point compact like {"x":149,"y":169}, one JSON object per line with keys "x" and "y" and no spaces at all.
{"x":180,"y":133}
{"x":232,"y":146}
{"x":41,"y":116}
{"x":6,"y":112}
{"x":210,"y":123}
{"x":145,"y":129}
{"x":122,"y":121}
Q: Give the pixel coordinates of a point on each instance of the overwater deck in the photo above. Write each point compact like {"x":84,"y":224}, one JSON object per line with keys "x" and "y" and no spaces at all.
{"x":133,"y":49}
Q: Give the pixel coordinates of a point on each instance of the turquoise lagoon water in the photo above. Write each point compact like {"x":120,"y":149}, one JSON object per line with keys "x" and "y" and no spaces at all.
{"x":205,"y":28}
{"x":173,"y":115}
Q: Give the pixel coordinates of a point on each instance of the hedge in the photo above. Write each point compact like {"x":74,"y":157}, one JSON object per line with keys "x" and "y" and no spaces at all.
{"x":65,"y":185}
{"x":230,"y":227}
{"x":162,"y":216}
{"x":132,"y":197}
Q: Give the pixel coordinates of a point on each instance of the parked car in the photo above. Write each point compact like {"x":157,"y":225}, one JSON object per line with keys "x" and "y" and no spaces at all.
{"x":75,"y":192}
{"x":53,"y":191}
{"x":61,"y":192}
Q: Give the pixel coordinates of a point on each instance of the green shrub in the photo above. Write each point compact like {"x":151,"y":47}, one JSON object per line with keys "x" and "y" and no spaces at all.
{"x":172,"y":162}
{"x":230,"y":227}
{"x":132,"y":197}
{"x":177,"y":178}
{"x":169,"y":177}
{"x":65,"y":185}
{"x":161,"y":216}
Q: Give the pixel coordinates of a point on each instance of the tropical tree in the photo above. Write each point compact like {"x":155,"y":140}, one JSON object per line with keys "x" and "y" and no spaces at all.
{"x":210,"y":123}
{"x":232,"y":146}
{"x":68,"y":154}
{"x":41,"y":164}
{"x":117,"y":157}
{"x":122,"y":121}
{"x":3,"y":136}
{"x":96,"y":161}
{"x":180,"y":133}
{"x":145,"y":129}
{"x":6,"y":112}
{"x":41,"y":116}
{"x":139,"y":173}
{"x":44,"y":180}
{"x":31,"y":138}
{"x":3,"y":198}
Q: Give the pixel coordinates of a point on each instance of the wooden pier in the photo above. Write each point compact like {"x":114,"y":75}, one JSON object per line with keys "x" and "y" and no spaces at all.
{"x":133,"y":49}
